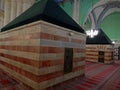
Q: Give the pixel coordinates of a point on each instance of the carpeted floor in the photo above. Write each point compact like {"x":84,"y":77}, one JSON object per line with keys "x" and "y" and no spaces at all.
{"x":97,"y":77}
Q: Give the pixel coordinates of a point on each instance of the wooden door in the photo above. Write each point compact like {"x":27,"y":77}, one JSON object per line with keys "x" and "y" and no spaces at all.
{"x":68,"y":60}
{"x":101,"y":56}
{"x":119,"y":53}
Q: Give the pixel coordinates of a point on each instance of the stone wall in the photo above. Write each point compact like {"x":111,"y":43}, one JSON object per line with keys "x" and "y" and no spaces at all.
{"x":92,"y":53}
{"x":34,"y":53}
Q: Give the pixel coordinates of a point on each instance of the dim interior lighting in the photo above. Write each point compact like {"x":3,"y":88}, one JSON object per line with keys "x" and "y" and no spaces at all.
{"x":91,"y":33}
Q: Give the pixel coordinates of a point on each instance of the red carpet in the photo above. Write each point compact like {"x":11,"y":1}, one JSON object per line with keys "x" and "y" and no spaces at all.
{"x":97,"y":77}
{"x":7,"y":83}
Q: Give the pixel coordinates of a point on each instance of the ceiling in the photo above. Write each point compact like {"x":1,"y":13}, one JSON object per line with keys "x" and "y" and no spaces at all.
{"x":101,"y":10}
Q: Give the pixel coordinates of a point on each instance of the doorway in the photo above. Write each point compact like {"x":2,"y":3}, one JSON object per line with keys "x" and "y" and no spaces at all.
{"x":101,"y":56}
{"x":118,"y":53}
{"x":68,"y":60}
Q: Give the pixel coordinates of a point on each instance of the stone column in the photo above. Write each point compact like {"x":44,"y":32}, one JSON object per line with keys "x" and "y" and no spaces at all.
{"x":7,"y":13}
{"x":19,"y":7}
{"x":2,"y":4}
{"x":76,"y":10}
{"x":27,"y":4}
{"x":1,"y":19}
{"x":32,"y":2}
{"x":13,"y":9}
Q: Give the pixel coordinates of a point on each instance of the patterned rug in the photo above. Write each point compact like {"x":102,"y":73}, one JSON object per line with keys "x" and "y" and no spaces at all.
{"x":97,"y":77}
{"x":8,"y":83}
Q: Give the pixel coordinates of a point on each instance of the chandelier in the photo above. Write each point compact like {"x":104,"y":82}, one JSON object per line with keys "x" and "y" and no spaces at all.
{"x":92,"y":33}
